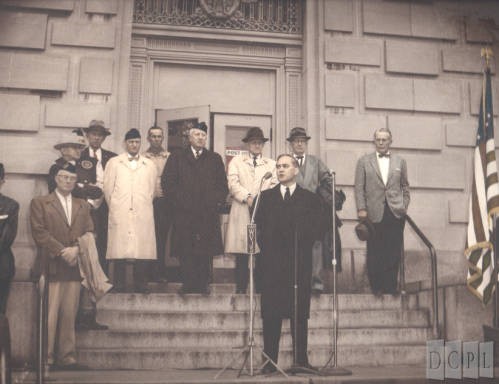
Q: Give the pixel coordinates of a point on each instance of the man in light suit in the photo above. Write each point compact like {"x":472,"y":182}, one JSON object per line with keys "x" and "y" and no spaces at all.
{"x":57,"y":221}
{"x":382,"y":196}
{"x":312,"y":173}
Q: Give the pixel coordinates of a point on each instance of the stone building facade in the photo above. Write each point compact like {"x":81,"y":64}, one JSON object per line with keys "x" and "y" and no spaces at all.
{"x":341,"y":68}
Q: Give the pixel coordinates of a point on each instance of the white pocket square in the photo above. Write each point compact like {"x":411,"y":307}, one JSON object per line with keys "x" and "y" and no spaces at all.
{"x":3,"y":217}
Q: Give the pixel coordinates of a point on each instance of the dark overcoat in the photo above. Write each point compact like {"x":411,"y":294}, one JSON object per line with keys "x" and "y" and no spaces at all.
{"x":9,"y":212}
{"x":279,"y":223}
{"x":196,"y":188}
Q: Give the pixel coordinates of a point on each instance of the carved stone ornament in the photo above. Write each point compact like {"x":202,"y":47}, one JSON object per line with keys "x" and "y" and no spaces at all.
{"x":220,"y":9}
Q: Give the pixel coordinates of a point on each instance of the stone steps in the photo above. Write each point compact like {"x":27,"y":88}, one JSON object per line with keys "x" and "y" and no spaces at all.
{"x":233,"y":320}
{"x":197,"y":357}
{"x":237,"y":302}
{"x":189,"y":338}
{"x":193,"y":331}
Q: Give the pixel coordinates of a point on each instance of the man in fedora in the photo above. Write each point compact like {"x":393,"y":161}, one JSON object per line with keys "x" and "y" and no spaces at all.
{"x":94,"y":159}
{"x":70,"y":147}
{"x":195,"y":183}
{"x":57,"y":221}
{"x":313,"y":173}
{"x":244,"y":175}
{"x":382,"y":196}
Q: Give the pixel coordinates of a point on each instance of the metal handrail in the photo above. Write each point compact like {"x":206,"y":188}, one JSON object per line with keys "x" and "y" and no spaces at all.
{"x":434,"y":281}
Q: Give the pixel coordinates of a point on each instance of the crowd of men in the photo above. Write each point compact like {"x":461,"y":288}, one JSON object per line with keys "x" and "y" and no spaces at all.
{"x":131,"y":201}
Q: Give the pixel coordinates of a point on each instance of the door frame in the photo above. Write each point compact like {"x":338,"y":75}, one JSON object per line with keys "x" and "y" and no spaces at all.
{"x":284,"y":60}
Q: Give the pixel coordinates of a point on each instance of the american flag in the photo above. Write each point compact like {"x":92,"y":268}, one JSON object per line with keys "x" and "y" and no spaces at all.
{"x":484,"y":203}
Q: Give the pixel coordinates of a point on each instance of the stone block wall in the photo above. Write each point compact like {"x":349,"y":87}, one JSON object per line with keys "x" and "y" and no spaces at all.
{"x":414,"y":67}
{"x":62,"y":64}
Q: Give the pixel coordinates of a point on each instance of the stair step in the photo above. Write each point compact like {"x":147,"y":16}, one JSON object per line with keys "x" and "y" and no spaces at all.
{"x":173,"y":320}
{"x":230,"y":338}
{"x":197,"y":357}
{"x":238,"y":302}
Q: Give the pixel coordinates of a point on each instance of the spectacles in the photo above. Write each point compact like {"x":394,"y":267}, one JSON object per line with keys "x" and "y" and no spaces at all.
{"x":67,"y":178}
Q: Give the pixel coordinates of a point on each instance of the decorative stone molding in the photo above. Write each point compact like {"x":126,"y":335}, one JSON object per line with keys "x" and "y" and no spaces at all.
{"x":275,"y":16}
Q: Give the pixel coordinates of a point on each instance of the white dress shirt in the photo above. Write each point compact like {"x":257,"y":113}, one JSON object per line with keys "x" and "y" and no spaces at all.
{"x":384,"y":166}
{"x":134,"y":162}
{"x":291,"y":190}
{"x":298,"y":160}
{"x":99,"y":169}
{"x":194,"y":151}
{"x":67,"y":204}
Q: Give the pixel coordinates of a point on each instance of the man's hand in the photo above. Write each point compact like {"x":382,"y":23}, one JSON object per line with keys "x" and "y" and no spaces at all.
{"x":70,"y":255}
{"x":362,"y":214}
{"x":249,"y":201}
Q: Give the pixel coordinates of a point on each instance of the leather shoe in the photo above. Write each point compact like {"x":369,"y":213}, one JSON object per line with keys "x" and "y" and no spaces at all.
{"x":90,"y":325}
{"x":268,"y":369}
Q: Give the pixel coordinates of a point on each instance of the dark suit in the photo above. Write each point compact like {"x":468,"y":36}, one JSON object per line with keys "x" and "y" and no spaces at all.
{"x":9,"y":212}
{"x":99,"y":215}
{"x":279,"y":224}
{"x":196,"y":188}
{"x":52,"y":233}
{"x":386,"y":207}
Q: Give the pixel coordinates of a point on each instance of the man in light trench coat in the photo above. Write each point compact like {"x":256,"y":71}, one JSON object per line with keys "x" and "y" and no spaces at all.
{"x":244,"y":175}
{"x":129,"y":182}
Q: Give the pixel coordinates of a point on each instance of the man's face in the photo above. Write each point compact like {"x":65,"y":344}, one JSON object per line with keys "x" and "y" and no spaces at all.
{"x":299,"y":146}
{"x":382,"y":141}
{"x":65,"y":182}
{"x":95,"y":139}
{"x":155,"y":138}
{"x":70,"y":152}
{"x":132,"y":146}
{"x":256,"y":147}
{"x":197,"y":138}
{"x":286,"y":170}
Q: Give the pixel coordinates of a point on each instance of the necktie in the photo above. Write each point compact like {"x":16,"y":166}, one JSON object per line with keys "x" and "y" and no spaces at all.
{"x":66,"y":210}
{"x":254,"y":160}
{"x":133,"y":158}
{"x":300,"y":160}
{"x":384,"y":155}
{"x":287,"y":195}
{"x":197,"y":153}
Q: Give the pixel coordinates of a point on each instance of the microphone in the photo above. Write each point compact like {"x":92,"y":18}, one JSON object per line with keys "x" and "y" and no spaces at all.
{"x":267,"y":176}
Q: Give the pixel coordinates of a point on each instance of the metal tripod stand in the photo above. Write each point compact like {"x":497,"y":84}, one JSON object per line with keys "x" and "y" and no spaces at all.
{"x":248,"y":350}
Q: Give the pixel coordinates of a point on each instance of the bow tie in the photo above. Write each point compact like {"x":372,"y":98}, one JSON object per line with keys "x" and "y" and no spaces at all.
{"x":380,"y":155}
{"x":136,"y":158}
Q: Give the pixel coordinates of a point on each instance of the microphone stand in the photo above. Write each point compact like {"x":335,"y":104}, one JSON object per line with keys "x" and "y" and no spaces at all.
{"x":334,"y":370}
{"x":247,"y":350}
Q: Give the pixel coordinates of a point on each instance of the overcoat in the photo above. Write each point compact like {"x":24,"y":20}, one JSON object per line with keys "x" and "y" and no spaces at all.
{"x":279,"y":225}
{"x":9,"y":212}
{"x":129,"y":195}
{"x":52,"y":232}
{"x":244,"y":179}
{"x":196,"y":188}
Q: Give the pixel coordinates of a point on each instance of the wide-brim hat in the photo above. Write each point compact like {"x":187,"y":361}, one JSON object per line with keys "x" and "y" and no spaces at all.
{"x":254,"y":133}
{"x":298,"y":133}
{"x":71,"y":140}
{"x":364,"y":229}
{"x":99,"y":126}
